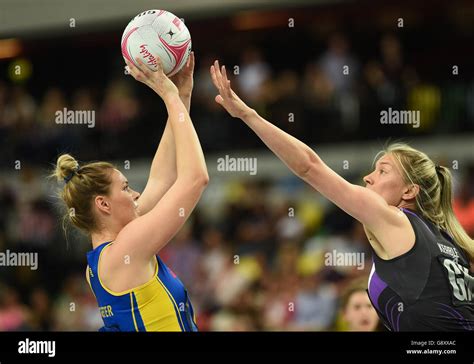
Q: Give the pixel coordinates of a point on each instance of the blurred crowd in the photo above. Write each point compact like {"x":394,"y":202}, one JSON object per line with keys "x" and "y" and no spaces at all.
{"x":332,"y":96}
{"x":260,"y":265}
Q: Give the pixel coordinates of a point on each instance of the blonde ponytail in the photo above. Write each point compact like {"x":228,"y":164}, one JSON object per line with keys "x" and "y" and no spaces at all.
{"x":451,"y":223}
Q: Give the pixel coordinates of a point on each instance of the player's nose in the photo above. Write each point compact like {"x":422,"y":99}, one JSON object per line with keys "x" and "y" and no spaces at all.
{"x":368,"y":180}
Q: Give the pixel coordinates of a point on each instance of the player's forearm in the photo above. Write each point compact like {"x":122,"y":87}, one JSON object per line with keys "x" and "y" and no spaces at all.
{"x":190,"y":163}
{"x":294,"y":153}
{"x":163,"y":166}
{"x":186,"y":99}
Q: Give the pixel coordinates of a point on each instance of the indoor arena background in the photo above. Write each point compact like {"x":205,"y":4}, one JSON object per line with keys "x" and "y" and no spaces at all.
{"x":253,"y":254}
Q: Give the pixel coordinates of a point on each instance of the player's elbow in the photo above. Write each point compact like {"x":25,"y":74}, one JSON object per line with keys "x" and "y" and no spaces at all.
{"x":203,"y":180}
{"x":310,"y":164}
{"x":196,"y":177}
{"x":199,"y":181}
{"x":302,"y":170}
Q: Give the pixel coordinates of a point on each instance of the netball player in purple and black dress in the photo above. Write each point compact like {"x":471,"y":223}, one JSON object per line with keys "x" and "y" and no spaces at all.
{"x":420,"y":278}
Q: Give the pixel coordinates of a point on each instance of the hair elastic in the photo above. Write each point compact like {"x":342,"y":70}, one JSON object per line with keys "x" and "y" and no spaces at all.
{"x":68,"y":178}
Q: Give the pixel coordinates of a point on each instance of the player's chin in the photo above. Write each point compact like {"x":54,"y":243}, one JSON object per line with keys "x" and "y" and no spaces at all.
{"x":136,"y":209}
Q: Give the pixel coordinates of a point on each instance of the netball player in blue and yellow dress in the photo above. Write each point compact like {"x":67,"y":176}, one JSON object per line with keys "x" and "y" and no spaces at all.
{"x":421,"y":278}
{"x":134,"y":289}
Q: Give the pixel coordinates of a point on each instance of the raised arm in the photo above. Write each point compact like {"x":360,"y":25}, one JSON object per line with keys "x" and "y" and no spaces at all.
{"x":361,"y":203}
{"x":163,"y":167}
{"x":143,"y":237}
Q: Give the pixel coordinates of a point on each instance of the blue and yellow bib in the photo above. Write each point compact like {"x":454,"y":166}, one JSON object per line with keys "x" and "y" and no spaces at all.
{"x":161,"y":304}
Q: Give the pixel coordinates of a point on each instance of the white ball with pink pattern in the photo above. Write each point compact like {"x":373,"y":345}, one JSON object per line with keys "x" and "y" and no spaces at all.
{"x":157,"y":33}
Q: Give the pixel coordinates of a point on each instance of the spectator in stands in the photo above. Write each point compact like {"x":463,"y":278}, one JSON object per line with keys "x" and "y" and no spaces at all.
{"x":339,"y":66}
{"x":254,"y":71}
{"x":14,"y":315}
{"x":357,"y":311}
{"x":315,"y":304}
{"x":41,"y":310}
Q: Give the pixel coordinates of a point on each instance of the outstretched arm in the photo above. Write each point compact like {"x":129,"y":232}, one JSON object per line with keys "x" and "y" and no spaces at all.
{"x":144,"y":236}
{"x":361,"y":203}
{"x":163,"y":167}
